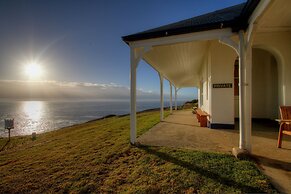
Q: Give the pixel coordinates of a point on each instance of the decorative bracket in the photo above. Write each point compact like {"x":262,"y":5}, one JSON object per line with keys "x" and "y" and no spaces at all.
{"x":140,"y":53}
{"x":229,"y":42}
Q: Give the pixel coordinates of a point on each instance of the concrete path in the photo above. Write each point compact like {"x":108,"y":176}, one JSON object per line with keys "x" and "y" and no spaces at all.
{"x":182,"y":130}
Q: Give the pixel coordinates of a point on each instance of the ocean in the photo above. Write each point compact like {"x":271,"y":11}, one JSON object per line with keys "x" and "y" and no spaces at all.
{"x":44,"y":116}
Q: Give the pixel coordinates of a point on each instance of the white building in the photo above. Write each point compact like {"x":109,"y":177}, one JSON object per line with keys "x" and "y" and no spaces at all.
{"x":238,"y":57}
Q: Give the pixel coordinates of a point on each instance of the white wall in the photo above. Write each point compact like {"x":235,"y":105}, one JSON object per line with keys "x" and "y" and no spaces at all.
{"x":204,"y":83}
{"x":222,"y":71}
{"x":218,"y":67}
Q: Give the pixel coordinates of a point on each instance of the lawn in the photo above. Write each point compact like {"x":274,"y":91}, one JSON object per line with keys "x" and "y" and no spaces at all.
{"x":97,"y":157}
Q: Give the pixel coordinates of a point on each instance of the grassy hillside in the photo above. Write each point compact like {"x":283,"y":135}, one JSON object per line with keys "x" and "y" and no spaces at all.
{"x":97,"y":157}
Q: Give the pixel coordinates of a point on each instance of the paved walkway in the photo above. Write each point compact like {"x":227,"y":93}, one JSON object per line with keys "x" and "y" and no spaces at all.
{"x":181,"y":129}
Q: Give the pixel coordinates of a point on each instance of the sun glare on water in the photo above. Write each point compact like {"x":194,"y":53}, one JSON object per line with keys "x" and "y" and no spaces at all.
{"x":33,"y":71}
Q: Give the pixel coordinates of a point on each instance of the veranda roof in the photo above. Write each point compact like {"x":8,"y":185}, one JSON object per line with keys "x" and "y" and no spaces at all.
{"x":180,"y":62}
{"x":234,"y":17}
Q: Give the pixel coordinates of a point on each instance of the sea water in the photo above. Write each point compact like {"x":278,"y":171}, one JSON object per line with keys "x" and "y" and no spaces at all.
{"x":43,"y":116}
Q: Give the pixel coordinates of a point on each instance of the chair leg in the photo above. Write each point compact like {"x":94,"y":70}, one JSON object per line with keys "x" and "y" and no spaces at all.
{"x":280,"y":135}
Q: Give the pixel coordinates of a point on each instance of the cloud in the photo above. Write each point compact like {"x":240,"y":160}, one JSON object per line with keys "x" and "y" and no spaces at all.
{"x":18,"y":89}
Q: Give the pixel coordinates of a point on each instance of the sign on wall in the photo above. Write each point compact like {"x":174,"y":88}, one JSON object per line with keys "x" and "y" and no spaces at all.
{"x":225,"y":85}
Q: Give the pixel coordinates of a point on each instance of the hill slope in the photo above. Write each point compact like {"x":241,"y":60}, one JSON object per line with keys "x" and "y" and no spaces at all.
{"x":97,"y":157}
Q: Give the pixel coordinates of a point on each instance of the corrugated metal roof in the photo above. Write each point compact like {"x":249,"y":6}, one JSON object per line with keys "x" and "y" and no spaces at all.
{"x":234,"y":17}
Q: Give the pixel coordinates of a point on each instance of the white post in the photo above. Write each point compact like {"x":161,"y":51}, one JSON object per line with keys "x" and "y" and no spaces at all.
{"x":161,"y":97}
{"x":176,"y":98}
{"x":245,"y":94}
{"x":133,"y":65}
{"x":242,"y":136}
{"x":248,"y":97}
{"x":171,"y":102}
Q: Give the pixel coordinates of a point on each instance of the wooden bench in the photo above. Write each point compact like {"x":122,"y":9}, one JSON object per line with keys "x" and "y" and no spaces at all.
{"x":202,"y":117}
{"x":285,"y":123}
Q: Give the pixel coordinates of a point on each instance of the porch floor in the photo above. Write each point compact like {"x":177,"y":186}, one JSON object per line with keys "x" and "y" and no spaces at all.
{"x":181,"y":130}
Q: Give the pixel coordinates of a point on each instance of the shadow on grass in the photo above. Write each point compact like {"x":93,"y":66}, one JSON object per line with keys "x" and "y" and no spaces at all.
{"x":201,"y":171}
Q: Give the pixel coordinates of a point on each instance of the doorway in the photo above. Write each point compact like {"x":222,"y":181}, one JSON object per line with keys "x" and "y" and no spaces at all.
{"x":265,"y":100}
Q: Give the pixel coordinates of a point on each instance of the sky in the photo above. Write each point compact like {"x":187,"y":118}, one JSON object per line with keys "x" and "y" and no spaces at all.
{"x":79,"y":47}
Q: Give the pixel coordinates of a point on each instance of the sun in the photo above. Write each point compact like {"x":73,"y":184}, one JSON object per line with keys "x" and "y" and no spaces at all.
{"x":33,"y":71}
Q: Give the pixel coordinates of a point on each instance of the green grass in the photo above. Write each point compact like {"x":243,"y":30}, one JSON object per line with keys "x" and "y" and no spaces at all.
{"x":97,"y":157}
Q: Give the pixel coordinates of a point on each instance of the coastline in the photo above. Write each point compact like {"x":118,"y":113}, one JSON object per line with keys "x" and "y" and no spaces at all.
{"x":90,"y":121}
{"x":42,"y":117}
{"x":123,"y":115}
{"x":58,"y":118}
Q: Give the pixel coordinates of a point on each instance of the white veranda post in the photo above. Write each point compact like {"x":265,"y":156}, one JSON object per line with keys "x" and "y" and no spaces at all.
{"x":248,"y":96}
{"x":244,"y":51}
{"x":245,"y":65}
{"x":176,"y":90}
{"x":133,"y":65}
{"x":161,"y":97}
{"x":135,"y":57}
{"x":171,"y":103}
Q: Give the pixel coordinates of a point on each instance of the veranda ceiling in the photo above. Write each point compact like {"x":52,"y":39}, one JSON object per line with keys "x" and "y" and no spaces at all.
{"x":179,"y":63}
{"x":276,"y":18}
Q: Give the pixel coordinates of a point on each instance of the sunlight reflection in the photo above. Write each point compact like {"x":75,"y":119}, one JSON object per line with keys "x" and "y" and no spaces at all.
{"x":33,"y":110}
